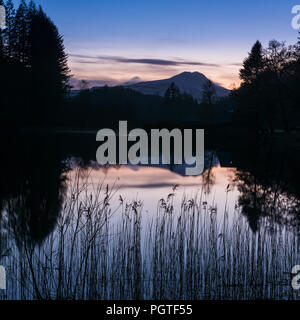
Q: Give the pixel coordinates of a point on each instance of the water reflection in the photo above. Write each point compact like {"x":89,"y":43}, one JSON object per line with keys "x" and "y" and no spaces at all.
{"x":31,"y":189}
{"x":261,"y":185}
{"x":264,"y":182}
{"x":268,"y":186}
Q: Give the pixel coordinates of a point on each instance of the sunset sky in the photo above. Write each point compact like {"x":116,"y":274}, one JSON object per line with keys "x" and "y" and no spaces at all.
{"x":114,"y":41}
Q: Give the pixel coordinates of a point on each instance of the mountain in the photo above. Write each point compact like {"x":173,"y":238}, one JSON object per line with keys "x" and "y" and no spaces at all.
{"x":188,"y":82}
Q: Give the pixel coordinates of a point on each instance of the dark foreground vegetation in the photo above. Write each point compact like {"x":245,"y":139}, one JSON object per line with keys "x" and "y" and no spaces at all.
{"x":101,"y":250}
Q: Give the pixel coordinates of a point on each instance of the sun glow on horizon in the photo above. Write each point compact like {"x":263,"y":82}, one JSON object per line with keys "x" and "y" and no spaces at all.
{"x":114,"y":73}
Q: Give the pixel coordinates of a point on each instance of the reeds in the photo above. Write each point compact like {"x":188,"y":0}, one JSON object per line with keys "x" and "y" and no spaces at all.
{"x":103,"y":248}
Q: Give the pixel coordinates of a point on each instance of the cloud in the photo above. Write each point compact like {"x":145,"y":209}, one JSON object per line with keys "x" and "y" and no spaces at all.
{"x":159,"y":62}
{"x":76,"y":83}
{"x":132,"y":81}
{"x":236,"y":64}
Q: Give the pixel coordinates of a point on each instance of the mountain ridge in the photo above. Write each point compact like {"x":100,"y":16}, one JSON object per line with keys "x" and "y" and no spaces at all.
{"x":188,"y":82}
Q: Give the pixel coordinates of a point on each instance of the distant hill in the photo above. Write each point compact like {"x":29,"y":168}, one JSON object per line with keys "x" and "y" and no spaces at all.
{"x":189,"y":82}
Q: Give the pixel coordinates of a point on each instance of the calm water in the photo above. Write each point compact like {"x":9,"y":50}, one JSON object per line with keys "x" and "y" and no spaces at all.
{"x":230,"y":233}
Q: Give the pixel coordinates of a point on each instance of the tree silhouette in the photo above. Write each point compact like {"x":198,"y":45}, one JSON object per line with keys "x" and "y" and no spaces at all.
{"x":49,"y":70}
{"x":208,"y":102}
{"x":34,"y":65}
{"x":1,"y":42}
{"x":253,"y":65}
{"x":172,"y":93}
{"x":268,"y":99}
{"x":20,"y":45}
{"x":9,"y":31}
{"x":209,"y":92}
{"x":277,"y":59}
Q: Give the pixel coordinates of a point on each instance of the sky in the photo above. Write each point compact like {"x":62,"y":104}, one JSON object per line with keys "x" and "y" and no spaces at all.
{"x":113,"y":41}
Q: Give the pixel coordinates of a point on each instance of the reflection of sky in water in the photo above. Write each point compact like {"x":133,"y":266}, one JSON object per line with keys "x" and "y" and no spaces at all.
{"x":150,"y":184}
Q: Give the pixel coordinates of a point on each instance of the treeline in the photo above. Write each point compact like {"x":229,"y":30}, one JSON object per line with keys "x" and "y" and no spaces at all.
{"x":34,"y":72}
{"x":268,"y":99}
{"x":105,"y":106}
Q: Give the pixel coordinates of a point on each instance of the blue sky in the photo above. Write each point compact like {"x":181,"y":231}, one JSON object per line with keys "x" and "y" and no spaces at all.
{"x":116,"y":40}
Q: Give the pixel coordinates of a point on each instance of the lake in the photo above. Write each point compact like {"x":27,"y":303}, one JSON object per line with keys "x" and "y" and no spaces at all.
{"x":71,"y":229}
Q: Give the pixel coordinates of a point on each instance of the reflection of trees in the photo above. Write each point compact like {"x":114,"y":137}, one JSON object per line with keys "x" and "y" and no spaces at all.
{"x":209,"y":176}
{"x":31,"y":190}
{"x":258,"y":200}
{"x":268,"y":188}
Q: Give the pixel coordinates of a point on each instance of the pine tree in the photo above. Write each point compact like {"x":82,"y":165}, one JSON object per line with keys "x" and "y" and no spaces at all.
{"x":3,"y":77}
{"x":1,"y":49}
{"x":172,"y":93}
{"x":253,"y":65}
{"x":9,"y":31}
{"x":32,"y":8}
{"x":1,"y":44}
{"x":20,"y":31}
{"x":49,"y":69}
{"x":208,"y":99}
{"x":209,"y":92}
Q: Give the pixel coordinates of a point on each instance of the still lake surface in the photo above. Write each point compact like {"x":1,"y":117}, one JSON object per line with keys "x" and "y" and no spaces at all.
{"x":71,"y":229}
